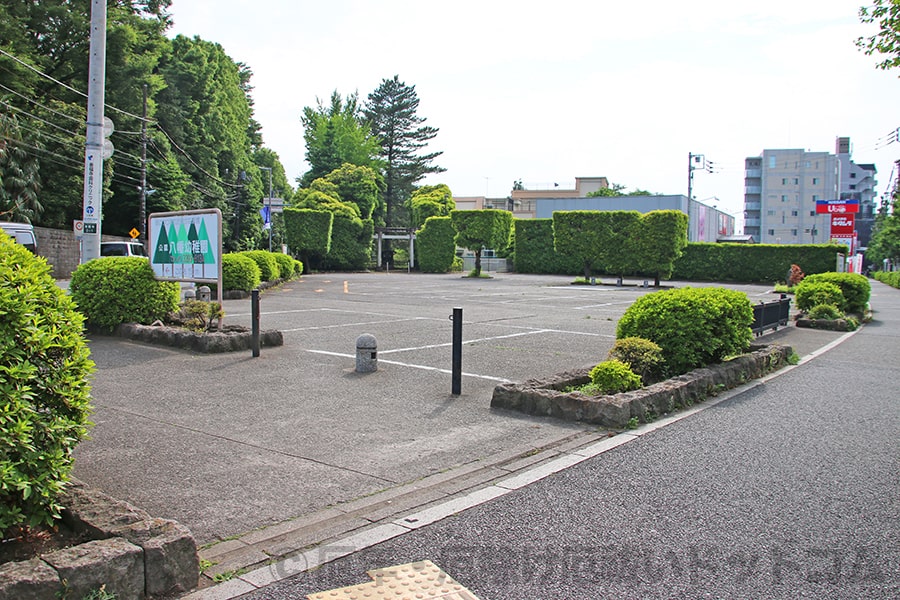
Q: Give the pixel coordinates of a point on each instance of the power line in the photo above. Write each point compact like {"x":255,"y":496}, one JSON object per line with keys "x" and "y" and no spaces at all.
{"x":69,"y":87}
{"x":44,"y":121}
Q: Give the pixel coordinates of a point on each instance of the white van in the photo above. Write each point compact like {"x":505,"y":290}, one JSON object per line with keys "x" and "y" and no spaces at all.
{"x":122,"y":249}
{"x":22,"y":233}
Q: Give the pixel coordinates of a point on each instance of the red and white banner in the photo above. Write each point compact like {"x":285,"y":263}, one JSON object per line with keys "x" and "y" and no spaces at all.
{"x":843,"y":225}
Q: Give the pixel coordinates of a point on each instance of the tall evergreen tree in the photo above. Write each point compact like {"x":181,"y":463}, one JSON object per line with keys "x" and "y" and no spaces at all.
{"x":335,"y":135}
{"x":391,"y":112}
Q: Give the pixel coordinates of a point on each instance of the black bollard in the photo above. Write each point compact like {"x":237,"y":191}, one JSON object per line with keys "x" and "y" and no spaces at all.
{"x":254,"y":312}
{"x":456,"y":385}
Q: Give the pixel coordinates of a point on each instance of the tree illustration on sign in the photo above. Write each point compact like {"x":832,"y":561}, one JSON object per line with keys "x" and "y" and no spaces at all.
{"x":161,"y":255}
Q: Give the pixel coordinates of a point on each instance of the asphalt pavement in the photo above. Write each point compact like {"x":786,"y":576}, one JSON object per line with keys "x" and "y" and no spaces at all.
{"x":786,"y":489}
{"x":264,"y":457}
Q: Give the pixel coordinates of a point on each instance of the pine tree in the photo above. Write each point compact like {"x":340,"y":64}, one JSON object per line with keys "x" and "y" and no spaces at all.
{"x":391,"y":112}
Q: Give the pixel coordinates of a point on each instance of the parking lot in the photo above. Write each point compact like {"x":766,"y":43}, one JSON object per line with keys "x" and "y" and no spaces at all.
{"x":229,"y":443}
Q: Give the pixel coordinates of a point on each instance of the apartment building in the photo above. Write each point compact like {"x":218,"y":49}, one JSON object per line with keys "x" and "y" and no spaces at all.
{"x":782,"y":186}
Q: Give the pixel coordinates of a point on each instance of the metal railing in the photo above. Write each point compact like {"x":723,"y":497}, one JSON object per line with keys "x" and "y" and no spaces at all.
{"x":771,"y":315}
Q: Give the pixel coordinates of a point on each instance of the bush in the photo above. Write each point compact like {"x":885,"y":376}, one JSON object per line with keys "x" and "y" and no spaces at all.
{"x":286,"y":265}
{"x":113,"y":290}
{"x":44,"y":390}
{"x":694,"y":327}
{"x":534,"y":251}
{"x":824,"y":311}
{"x":239,"y":272}
{"x":614,"y":376}
{"x":762,"y":263}
{"x":642,"y":356}
{"x":795,"y":276}
{"x":855,"y":287}
{"x":812,"y":293}
{"x":267,"y":263}
{"x":891,"y":278}
{"x":435,"y":248}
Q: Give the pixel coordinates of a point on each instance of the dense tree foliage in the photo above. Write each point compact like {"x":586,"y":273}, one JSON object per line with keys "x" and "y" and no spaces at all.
{"x":886,"y":13}
{"x":337,"y":134}
{"x":391,"y":112}
{"x":885,"y":242}
{"x":430,"y":201}
{"x":480,"y":229}
{"x":203,"y":145}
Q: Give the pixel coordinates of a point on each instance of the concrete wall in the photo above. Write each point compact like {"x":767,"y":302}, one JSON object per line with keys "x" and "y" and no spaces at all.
{"x":61,"y":249}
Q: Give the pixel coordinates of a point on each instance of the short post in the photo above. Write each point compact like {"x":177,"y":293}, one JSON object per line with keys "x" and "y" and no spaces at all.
{"x":366,"y":353}
{"x":254,"y":312}
{"x":204,"y":294}
{"x":456,"y":385}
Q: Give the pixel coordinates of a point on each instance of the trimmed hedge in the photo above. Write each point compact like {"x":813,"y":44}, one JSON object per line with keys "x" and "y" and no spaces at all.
{"x":45,"y":368}
{"x":891,"y":278}
{"x":351,"y":243}
{"x":239,"y":272}
{"x":753,"y":262}
{"x":694,"y":327}
{"x":435,"y":248}
{"x":267,"y":263}
{"x":308,"y":232}
{"x":535,"y":253}
{"x":855,"y":287}
{"x":287,"y":266}
{"x":113,"y":290}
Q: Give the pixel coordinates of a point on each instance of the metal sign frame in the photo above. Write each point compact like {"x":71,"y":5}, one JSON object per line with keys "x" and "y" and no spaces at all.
{"x":193,"y":255}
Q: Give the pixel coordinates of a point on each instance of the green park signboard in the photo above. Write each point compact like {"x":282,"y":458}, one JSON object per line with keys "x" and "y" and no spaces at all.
{"x":186,"y":245}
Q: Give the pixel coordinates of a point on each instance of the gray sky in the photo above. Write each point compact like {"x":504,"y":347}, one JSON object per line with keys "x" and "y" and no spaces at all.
{"x":547,"y":91}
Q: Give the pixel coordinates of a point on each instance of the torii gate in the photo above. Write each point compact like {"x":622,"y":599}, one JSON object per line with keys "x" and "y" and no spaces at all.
{"x":396,"y":233}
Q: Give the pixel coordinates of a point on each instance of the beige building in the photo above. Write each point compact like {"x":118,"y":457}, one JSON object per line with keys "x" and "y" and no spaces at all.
{"x":523,"y":202}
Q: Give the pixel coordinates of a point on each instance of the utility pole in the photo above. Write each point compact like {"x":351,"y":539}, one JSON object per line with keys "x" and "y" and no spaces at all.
{"x":93,"y":149}
{"x":143,"y":213}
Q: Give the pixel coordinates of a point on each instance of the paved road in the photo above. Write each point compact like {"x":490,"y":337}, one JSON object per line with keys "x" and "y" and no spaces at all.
{"x":787,"y":490}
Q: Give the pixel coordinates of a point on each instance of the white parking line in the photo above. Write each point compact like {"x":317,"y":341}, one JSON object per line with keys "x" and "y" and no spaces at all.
{"x":413,"y":366}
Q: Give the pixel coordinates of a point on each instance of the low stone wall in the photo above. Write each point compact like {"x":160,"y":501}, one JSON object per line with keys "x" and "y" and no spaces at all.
{"x":210,"y":342}
{"x":546,"y":397}
{"x":62,"y":250}
{"x":133,"y":555}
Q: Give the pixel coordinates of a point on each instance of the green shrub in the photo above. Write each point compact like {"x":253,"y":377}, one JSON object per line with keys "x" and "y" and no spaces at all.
{"x":267,"y":263}
{"x":44,"y":390}
{"x":824,"y":311}
{"x":239,"y":272}
{"x":702,"y":261}
{"x":435,"y":248}
{"x":812,"y":293}
{"x":286,"y":265}
{"x":113,"y":290}
{"x":298,"y":267}
{"x":614,"y":376}
{"x":694,"y":327}
{"x":642,"y":356}
{"x":891,"y":278}
{"x":351,"y":243}
{"x":855,"y":287}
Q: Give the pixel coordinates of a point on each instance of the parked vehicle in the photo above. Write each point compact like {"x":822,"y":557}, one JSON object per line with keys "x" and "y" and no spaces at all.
{"x":122,"y":249}
{"x":22,"y":233}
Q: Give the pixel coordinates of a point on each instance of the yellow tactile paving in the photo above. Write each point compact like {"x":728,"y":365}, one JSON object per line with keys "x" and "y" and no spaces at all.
{"x":421,"y":580}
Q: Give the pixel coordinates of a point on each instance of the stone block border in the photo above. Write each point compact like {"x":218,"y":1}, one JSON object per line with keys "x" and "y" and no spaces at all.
{"x":546,"y":397}
{"x":133,"y":555}
{"x":233,"y":340}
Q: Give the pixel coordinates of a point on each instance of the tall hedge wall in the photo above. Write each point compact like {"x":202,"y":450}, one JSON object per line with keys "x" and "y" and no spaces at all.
{"x":753,"y":262}
{"x":435,"y":246}
{"x":698,"y":262}
{"x":535,"y":252}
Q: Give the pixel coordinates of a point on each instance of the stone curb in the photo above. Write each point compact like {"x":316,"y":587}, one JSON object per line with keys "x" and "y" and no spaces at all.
{"x":132,"y":554}
{"x":209,"y":342}
{"x":546,"y":397}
